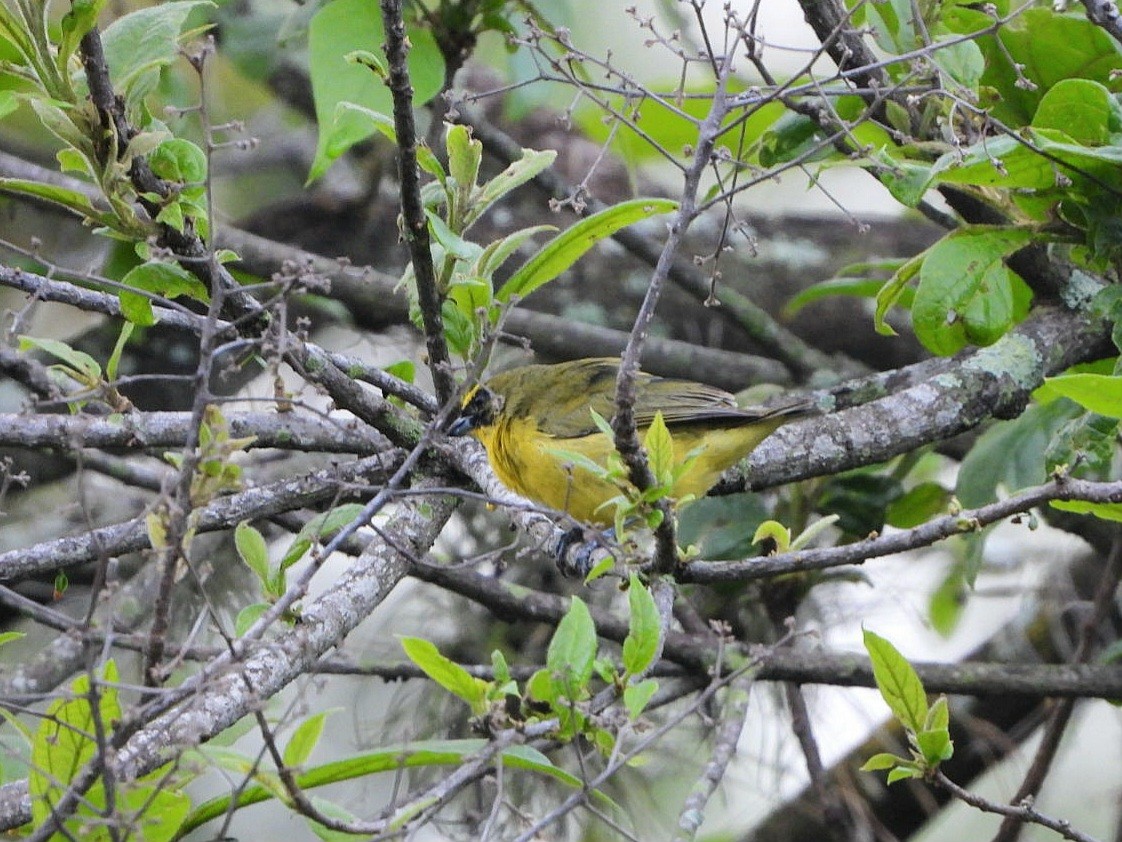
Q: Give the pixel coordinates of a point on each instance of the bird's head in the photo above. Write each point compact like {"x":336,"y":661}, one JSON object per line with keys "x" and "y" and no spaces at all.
{"x":480,"y":408}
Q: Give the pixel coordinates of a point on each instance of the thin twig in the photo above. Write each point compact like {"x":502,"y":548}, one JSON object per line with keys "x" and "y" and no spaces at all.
{"x":416,"y":225}
{"x":1024,"y":812}
{"x":724,"y":748}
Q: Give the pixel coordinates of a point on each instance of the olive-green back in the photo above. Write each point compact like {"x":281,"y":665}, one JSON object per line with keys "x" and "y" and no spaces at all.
{"x":558,"y":398}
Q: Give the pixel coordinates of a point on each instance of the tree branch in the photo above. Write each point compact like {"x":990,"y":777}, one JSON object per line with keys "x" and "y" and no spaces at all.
{"x":416,"y":225}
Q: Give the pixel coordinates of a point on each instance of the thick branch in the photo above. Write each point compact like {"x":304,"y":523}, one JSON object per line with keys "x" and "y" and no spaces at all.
{"x":223,"y":513}
{"x":143,"y":430}
{"x":211,"y":701}
{"x":989,"y":382}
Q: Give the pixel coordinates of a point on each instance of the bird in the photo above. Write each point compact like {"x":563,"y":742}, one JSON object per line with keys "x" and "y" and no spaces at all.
{"x":532,"y":420}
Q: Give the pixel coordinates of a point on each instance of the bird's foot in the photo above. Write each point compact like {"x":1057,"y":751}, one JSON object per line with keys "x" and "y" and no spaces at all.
{"x":578,"y":550}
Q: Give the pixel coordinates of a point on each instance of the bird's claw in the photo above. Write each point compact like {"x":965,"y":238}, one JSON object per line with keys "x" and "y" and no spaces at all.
{"x":575,"y":550}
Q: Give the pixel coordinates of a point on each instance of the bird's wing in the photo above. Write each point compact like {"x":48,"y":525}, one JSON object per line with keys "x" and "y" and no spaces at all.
{"x":591,"y":385}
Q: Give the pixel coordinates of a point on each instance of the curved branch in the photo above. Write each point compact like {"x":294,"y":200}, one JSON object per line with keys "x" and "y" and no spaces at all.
{"x":1061,"y":488}
{"x":989,"y":382}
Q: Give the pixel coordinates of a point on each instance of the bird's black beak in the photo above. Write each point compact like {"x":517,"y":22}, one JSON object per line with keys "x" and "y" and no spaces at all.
{"x":462,"y":426}
{"x":478,"y":410}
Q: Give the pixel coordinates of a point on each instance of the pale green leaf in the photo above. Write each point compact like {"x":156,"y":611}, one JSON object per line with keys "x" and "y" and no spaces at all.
{"x":572,"y":650}
{"x":1099,"y":393}
{"x":252,"y":549}
{"x":567,"y":247}
{"x":305,"y":737}
{"x":641,"y":644}
{"x":898,"y":682}
{"x":447,"y":673}
{"x":346,"y":27}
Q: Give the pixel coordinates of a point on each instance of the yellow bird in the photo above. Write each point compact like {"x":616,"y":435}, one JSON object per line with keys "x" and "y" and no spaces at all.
{"x":528,"y":418}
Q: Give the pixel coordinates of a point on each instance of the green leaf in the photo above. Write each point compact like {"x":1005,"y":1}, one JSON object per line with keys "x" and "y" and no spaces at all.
{"x":1100,"y":393}
{"x":907,"y":181}
{"x":391,"y":759}
{"x":447,"y":673}
{"x":248,"y":616}
{"x":404,"y":370}
{"x":641,"y":644}
{"x":465,"y":155}
{"x":1085,"y":446}
{"x":8,"y":637}
{"x":452,"y":243}
{"x":179,"y":160}
{"x":636,"y":697}
{"x":252,"y":549}
{"x":948,"y":600}
{"x":65,"y":742}
{"x":1104,"y":511}
{"x":898,"y":683}
{"x":85,"y":367}
{"x":572,"y":649}
{"x":517,"y":173}
{"x":158,"y":809}
{"x":962,"y":61}
{"x":1049,"y":48}
{"x":904,"y":772}
{"x":1080,"y":108}
{"x":156,"y":526}
{"x":966,"y":294}
{"x":939,"y":716}
{"x":305,"y":737}
{"x":918,"y":505}
{"x":860,"y":499}
{"x":376,"y":121}
{"x":660,"y":450}
{"x":500,"y":666}
{"x":774,"y":531}
{"x":339,"y":813}
{"x":602,"y":567}
{"x":496,"y":253}
{"x":70,"y":199}
{"x":567,"y":247}
{"x":834,"y":287}
{"x":81,"y":18}
{"x":337,"y":30}
{"x":429,"y":163}
{"x":722,"y":526}
{"x":372,"y":61}
{"x":114,"y":361}
{"x":319,"y":528}
{"x":168,"y":280}
{"x":935,"y":746}
{"x":815,"y":529}
{"x":879,"y":762}
{"x":9,"y":102}
{"x":140,"y":43}
{"x":789,"y":137}
{"x":541,"y":688}
{"x":893,"y":291}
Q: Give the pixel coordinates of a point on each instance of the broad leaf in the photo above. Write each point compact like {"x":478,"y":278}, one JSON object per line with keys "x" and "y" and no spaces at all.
{"x":567,"y":247}
{"x":339,"y":29}
{"x":897,"y":681}
{"x":966,"y":294}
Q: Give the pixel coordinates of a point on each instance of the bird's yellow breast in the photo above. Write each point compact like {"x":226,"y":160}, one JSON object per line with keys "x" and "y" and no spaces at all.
{"x":534,"y":463}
